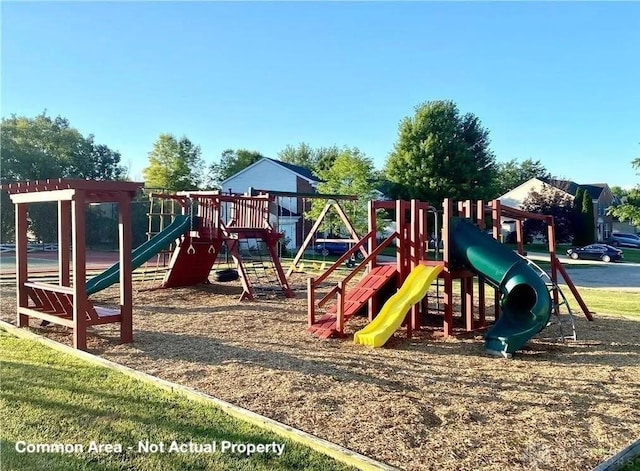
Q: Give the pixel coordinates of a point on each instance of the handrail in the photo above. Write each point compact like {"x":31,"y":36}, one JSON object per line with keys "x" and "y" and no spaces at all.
{"x":340,"y":287}
{"x":373,"y":254}
{"x":328,"y":296}
{"x":344,"y":258}
{"x":49,"y":287}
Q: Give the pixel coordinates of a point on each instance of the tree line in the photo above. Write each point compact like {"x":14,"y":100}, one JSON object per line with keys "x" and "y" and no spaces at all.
{"x":440,"y":152}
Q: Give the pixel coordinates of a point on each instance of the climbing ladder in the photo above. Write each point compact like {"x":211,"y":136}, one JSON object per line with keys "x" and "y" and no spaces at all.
{"x":259,"y":268}
{"x":561,"y":314}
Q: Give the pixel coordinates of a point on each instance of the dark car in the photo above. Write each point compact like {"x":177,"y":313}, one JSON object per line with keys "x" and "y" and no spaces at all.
{"x":603,"y":252}
{"x":620,"y":239}
{"x":336,"y":248}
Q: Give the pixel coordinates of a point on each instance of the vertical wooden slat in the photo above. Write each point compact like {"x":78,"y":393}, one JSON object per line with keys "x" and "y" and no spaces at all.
{"x":21,"y":261}
{"x":64,"y":242}
{"x":126,"y":269}
{"x":340,"y":306}
{"x":448,"y":284}
{"x":482,"y":308}
{"x":79,"y":271}
{"x":311,"y":302}
{"x":497,"y":228}
{"x":519,"y":236}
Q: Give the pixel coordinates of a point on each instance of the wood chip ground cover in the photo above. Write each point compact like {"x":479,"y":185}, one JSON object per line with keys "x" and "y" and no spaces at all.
{"x":424,"y":403}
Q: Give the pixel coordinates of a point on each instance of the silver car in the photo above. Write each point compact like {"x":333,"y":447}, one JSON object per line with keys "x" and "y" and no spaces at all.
{"x":620,"y":239}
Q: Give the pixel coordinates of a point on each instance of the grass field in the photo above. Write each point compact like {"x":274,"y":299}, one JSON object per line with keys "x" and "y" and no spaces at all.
{"x":50,"y":397}
{"x":607,"y":301}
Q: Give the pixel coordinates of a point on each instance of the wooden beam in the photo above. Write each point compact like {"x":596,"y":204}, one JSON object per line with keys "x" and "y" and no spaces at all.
{"x":78,"y":237}
{"x":21,"y":262}
{"x":125,"y":237}
{"x":64,"y":243}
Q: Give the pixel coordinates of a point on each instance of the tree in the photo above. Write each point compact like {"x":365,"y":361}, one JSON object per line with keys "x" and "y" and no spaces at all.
{"x":351,"y":174}
{"x":316,"y":160}
{"x":579,"y":237}
{"x":588,"y":223}
{"x":302,"y":156}
{"x":629,"y":210}
{"x":441,"y":153}
{"x":174,"y":165}
{"x":512,"y":173}
{"x":551,"y":202}
{"x":231,"y":162}
{"x":45,"y":147}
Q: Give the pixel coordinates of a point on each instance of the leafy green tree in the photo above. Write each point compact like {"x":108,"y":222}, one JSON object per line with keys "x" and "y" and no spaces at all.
{"x":578,"y":229}
{"x":352,"y":173}
{"x":174,"y":165}
{"x":588,"y":222}
{"x":302,"y":156}
{"x":513,"y":173}
{"x":554,"y":203}
{"x":316,"y":160}
{"x":441,"y":153}
{"x":629,"y":210}
{"x":45,"y":147}
{"x":231,"y":162}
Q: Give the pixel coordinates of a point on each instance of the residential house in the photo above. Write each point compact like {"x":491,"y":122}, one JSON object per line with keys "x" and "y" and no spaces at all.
{"x":273,"y":175}
{"x":600,"y":194}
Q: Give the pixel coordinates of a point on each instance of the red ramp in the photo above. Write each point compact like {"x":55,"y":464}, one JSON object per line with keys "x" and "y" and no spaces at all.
{"x":355,"y":299}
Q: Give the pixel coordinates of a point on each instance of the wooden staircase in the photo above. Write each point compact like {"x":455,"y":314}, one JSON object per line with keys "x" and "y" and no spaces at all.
{"x":355,"y":299}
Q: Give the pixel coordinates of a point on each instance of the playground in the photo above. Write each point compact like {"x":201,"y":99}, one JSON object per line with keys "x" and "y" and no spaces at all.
{"x":424,"y":403}
{"x":431,"y":399}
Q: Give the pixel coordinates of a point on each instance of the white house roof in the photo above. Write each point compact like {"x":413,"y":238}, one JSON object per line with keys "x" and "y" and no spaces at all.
{"x":301,"y":172}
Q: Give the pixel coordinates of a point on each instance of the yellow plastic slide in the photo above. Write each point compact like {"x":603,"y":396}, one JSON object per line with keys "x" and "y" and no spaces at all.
{"x":390,"y":317}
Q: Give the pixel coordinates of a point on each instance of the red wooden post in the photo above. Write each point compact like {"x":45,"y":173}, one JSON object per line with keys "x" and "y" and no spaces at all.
{"x":519,"y":236}
{"x":413,"y":320}
{"x":482,"y":308}
{"x":448,"y":283}
{"x":551,"y":240}
{"x":468,"y":296}
{"x":64,"y":243}
{"x":79,"y":272}
{"x":126,"y":269}
{"x":497,"y":230}
{"x":401,"y":253}
{"x":311,"y":303}
{"x":21,"y":262}
{"x":340,"y":308}
{"x":372,"y":243}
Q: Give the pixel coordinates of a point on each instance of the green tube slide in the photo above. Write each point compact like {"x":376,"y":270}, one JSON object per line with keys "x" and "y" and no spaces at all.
{"x":141,"y":253}
{"x":525,"y":302}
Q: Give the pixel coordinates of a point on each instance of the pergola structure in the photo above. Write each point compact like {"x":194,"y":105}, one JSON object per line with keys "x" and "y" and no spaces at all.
{"x":67,"y":303}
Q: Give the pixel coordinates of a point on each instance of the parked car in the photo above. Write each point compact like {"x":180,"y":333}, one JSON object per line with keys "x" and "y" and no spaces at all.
{"x":336,"y":248}
{"x":620,"y":239}
{"x":603,"y":252}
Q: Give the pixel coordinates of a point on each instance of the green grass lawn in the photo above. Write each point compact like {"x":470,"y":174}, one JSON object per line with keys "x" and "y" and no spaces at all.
{"x":606,"y":301}
{"x":51,"y":397}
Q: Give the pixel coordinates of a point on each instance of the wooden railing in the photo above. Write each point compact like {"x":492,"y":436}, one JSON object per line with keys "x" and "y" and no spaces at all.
{"x":339,"y":290}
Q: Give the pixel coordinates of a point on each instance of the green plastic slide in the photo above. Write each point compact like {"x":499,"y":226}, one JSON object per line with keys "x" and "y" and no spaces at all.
{"x":525,"y":302}
{"x":141,"y":253}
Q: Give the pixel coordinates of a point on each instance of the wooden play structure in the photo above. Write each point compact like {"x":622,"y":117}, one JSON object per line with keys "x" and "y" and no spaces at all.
{"x":218,"y":221}
{"x":67,"y":303}
{"x":410,"y":240}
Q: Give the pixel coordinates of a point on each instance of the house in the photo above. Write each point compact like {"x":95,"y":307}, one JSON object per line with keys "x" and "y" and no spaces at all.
{"x":273,"y":175}
{"x":600,"y":194}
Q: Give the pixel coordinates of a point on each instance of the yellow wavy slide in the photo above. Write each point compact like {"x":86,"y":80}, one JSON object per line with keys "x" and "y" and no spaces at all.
{"x":392,"y":314}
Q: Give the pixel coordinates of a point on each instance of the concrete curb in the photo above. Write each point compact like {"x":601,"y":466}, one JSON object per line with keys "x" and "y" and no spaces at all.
{"x":336,"y":452}
{"x":621,"y":459}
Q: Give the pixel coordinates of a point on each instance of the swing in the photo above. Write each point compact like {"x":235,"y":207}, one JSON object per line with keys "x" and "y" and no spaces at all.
{"x":226,"y":274}
{"x":191,"y":250}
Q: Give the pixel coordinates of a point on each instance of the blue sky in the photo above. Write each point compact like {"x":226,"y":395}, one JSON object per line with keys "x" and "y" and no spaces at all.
{"x":557,"y":82}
